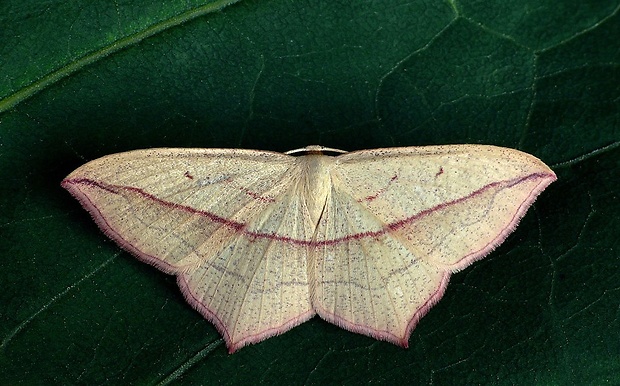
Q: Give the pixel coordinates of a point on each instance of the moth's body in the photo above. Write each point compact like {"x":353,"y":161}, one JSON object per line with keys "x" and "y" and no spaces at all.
{"x":314,"y":182}
{"x":261,"y":241}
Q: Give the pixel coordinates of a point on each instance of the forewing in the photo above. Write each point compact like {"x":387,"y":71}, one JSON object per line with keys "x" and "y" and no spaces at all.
{"x":162,"y":204}
{"x":449,"y":205}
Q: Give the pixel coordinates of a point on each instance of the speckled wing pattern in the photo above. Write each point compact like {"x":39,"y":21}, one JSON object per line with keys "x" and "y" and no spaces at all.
{"x":261,"y":241}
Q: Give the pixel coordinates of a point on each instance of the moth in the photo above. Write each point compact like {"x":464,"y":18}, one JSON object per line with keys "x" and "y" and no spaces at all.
{"x":262,"y":241}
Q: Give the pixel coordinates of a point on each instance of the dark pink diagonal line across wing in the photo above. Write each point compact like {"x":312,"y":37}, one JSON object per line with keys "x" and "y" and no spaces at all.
{"x":239,"y":227}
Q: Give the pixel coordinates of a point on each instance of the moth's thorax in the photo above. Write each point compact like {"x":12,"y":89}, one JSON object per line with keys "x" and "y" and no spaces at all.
{"x":316,"y":182}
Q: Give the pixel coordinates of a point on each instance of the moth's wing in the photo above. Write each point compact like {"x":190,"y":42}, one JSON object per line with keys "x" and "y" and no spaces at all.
{"x":399,"y":221}
{"x":227,"y":222}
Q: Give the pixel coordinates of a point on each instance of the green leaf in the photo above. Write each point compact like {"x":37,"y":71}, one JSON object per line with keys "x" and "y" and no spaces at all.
{"x":83,"y":79}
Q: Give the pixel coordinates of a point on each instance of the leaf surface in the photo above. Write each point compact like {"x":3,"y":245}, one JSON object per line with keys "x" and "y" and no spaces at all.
{"x":84,"y":79}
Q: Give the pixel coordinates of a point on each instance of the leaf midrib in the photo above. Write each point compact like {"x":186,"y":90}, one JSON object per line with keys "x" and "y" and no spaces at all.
{"x":46,"y":81}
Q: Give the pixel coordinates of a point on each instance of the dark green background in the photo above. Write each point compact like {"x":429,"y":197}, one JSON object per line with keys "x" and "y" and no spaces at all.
{"x":82,"y":79}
